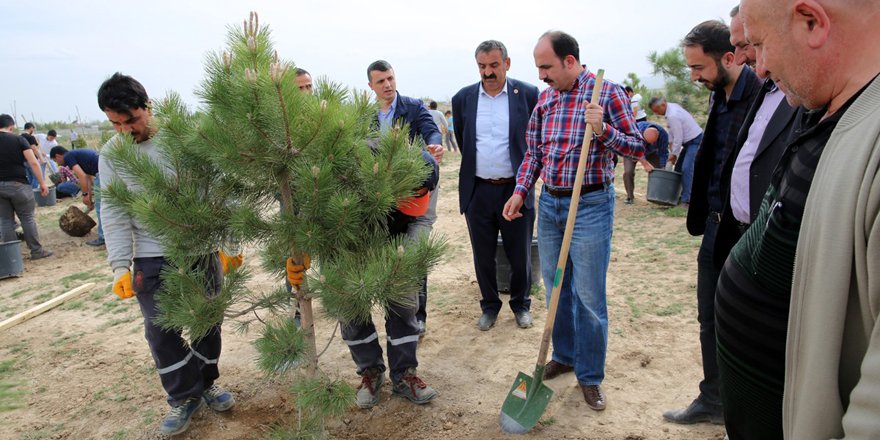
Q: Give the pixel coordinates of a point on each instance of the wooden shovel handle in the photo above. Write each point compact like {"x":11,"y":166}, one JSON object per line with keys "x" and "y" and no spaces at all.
{"x":569,"y":229}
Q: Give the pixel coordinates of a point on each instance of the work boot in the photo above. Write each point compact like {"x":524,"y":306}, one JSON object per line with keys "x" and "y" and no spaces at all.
{"x":218,"y":399}
{"x":368,"y":392}
{"x":697,"y":412}
{"x":413,"y":388}
{"x":179,"y":417}
{"x":42,"y":254}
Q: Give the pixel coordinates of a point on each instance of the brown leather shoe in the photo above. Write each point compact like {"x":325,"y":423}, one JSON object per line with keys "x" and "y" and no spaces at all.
{"x":554,"y":369}
{"x":594,"y":397}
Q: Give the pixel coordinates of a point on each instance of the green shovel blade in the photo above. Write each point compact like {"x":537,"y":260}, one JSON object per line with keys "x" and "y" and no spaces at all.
{"x":525,"y":403}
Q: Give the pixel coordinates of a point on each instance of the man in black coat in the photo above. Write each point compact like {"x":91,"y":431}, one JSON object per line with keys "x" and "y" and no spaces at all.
{"x":710,"y":56}
{"x":490,"y":119}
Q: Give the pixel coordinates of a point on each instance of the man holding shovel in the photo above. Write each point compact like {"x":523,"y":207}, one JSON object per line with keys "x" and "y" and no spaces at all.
{"x":554,"y":135}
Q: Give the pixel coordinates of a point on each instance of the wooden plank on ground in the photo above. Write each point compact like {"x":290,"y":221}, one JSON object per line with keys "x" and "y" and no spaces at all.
{"x":48,"y":305}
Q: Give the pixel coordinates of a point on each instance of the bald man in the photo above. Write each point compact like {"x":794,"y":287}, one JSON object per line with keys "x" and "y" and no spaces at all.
{"x":798,"y":300}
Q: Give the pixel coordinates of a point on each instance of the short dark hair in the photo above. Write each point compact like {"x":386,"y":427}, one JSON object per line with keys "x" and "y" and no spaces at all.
{"x":490,"y":45}
{"x":52,"y":133}
{"x":432,"y":105}
{"x":28,"y":125}
{"x":713,"y":36}
{"x":56,"y":151}
{"x":448,"y":112}
{"x":6,"y":121}
{"x":734,"y":12}
{"x":301,"y":72}
{"x":379,"y":65}
{"x":121,"y":94}
{"x":628,"y":89}
{"x":655,"y":100}
{"x":563,"y":44}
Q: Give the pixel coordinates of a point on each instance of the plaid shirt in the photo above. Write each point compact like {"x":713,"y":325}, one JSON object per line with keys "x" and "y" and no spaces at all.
{"x":556,"y":132}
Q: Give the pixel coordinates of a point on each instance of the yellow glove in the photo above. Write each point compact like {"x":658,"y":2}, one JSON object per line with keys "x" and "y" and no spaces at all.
{"x":122,"y":284}
{"x":295,"y":272}
{"x":229,"y":262}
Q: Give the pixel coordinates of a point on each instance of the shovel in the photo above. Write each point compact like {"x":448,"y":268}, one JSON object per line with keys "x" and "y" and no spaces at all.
{"x":528,"y":397}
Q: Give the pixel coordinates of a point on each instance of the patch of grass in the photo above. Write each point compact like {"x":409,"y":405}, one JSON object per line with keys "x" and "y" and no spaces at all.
{"x":114,"y":323}
{"x":11,"y":396}
{"x":675,"y":211}
{"x":65,"y":339}
{"x":79,"y":276}
{"x":18,"y":347}
{"x":73,"y":305}
{"x":118,"y":435}
{"x":549,"y":421}
{"x":633,"y":307}
{"x":148,"y":416}
{"x":18,"y":293}
{"x":670,"y":310}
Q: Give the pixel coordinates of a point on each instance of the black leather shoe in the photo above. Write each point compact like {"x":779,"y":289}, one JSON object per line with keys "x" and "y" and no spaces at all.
{"x":553,"y":369}
{"x":523,"y":319}
{"x":487,"y":321}
{"x":697,"y":412}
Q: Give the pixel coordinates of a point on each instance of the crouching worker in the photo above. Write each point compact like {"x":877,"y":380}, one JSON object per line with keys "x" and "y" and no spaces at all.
{"x":401,"y":324}
{"x":187,"y":370}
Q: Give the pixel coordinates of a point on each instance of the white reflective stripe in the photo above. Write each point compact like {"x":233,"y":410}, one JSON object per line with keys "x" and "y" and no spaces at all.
{"x":204,"y":359}
{"x":370,"y":338}
{"x":176,"y":366}
{"x":404,"y":340}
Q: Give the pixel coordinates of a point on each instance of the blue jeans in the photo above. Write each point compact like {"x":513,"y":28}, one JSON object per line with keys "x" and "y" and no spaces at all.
{"x":580,"y":335}
{"x":69,"y":188}
{"x":97,"y":199}
{"x":685,"y":165}
{"x":31,"y":178}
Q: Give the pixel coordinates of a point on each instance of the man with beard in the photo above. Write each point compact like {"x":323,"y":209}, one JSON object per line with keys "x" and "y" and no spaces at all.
{"x":555,"y":136}
{"x":490,"y":119}
{"x":798,"y":297}
{"x":710,"y":56}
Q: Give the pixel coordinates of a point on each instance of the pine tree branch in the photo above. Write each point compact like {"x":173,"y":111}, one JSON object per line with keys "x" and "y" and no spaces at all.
{"x":320,"y":125}
{"x":284,"y":118}
{"x":168,"y":220}
{"x":330,"y":340}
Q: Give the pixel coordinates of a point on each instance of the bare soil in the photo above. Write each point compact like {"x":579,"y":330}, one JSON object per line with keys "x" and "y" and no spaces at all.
{"x":86,"y":372}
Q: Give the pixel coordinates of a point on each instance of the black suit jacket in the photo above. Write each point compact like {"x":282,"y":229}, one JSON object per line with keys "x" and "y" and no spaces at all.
{"x":773,"y":143}
{"x":521,"y":98}
{"x":704,"y":164}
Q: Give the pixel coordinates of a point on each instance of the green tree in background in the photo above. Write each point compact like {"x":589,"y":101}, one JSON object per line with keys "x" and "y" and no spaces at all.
{"x":679,"y":88}
{"x":258,"y":140}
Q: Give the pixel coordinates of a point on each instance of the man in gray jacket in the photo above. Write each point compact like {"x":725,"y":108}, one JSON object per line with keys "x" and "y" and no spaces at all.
{"x":807,"y":268}
{"x":187,"y":370}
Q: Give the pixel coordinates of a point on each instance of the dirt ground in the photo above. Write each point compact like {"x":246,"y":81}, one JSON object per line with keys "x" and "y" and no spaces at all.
{"x":84,"y":370}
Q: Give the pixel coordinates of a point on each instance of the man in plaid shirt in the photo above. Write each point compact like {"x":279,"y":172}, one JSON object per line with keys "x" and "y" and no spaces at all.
{"x":554,"y":136}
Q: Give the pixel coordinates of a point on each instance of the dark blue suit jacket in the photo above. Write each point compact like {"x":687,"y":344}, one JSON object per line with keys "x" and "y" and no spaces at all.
{"x":522,"y":98}
{"x":413,"y":112}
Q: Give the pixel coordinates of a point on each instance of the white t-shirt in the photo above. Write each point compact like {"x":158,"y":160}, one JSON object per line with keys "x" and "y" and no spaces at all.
{"x":45,"y":144}
{"x":636,"y":103}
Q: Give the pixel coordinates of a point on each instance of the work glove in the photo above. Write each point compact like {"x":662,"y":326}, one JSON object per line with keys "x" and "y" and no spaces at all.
{"x":296,"y":272}
{"x":122,"y":283}
{"x":229,"y":262}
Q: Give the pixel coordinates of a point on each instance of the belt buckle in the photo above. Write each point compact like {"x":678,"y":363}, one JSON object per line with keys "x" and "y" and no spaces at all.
{"x":715,"y":216}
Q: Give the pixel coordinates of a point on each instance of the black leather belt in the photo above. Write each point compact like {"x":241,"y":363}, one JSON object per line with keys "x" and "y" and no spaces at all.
{"x":567,"y":192}
{"x":501,"y":181}
{"x":715,"y":217}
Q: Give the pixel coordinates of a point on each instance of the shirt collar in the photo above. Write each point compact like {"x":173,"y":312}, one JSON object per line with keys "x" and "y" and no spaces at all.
{"x":503,"y":90}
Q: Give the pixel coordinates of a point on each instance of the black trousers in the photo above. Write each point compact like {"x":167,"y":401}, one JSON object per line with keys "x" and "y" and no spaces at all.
{"x":185,"y":369}
{"x":485,"y":221}
{"x":707,"y":281}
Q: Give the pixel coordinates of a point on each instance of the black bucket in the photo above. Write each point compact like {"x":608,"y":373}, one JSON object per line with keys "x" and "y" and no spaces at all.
{"x":10,"y":259}
{"x":664,"y":187}
{"x":502,"y":266}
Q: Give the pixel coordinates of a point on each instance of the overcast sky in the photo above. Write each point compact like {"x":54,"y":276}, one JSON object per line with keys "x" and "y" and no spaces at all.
{"x":57,"y":53}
